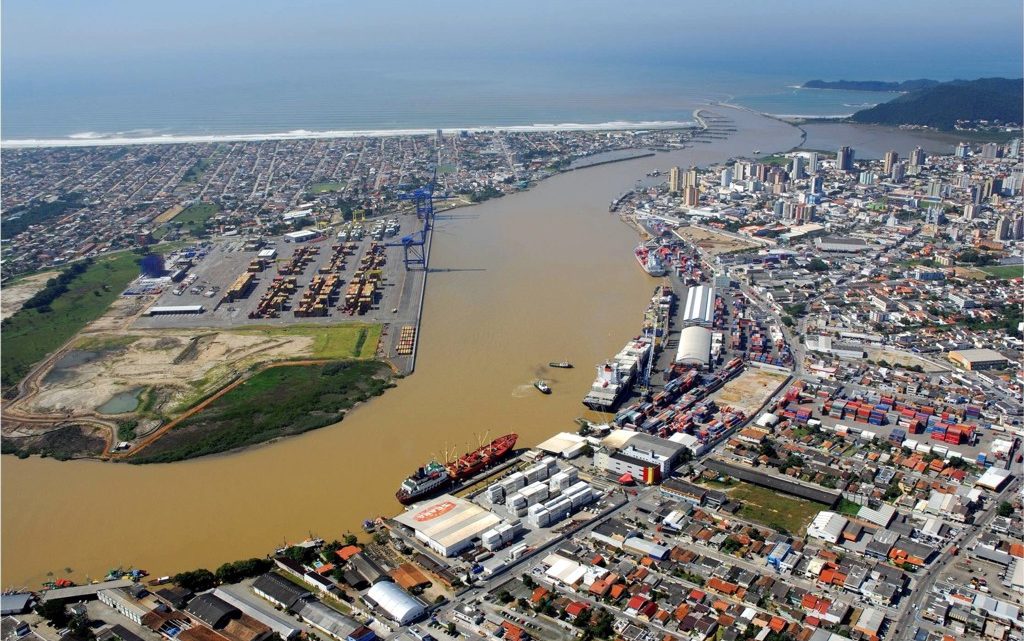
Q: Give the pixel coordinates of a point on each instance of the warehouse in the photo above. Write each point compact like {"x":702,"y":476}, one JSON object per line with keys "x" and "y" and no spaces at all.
{"x":700,"y":305}
{"x":827,"y":526}
{"x":840,"y":244}
{"x":643,"y":457}
{"x":694,"y":346}
{"x":301,"y":236}
{"x":978,"y":359}
{"x":448,"y":524}
{"x":395,"y":602}
{"x":174,"y":309}
{"x":994,"y":479}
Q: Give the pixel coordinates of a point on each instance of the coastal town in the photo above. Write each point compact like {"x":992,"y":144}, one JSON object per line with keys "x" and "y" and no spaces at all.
{"x":814,"y":434}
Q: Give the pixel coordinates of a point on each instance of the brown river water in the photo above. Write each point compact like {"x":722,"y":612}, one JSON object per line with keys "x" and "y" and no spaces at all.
{"x":539,"y":276}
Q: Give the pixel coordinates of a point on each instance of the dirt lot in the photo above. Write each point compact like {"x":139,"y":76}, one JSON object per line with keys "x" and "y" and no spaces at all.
{"x":904,"y":358}
{"x":713,"y":242}
{"x":749,"y":390}
{"x":181,"y":365}
{"x":15,"y":295}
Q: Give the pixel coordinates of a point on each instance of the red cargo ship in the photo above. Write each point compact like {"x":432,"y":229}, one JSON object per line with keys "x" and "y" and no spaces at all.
{"x":479,"y":459}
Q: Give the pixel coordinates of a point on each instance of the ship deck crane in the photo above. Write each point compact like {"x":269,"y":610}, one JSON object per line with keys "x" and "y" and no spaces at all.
{"x":414,"y":245}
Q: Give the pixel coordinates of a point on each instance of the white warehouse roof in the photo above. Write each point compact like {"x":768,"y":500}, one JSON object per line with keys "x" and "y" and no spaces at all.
{"x":700,"y":305}
{"x":827,"y":526}
{"x":447,"y":524}
{"x":396,"y":602}
{"x":694,"y":345}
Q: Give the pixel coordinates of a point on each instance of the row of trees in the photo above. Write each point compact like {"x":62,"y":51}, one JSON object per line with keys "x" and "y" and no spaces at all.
{"x":202,"y":579}
{"x":57,"y":286}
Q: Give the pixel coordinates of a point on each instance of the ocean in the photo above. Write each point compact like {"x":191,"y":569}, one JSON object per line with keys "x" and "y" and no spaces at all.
{"x":230,"y":97}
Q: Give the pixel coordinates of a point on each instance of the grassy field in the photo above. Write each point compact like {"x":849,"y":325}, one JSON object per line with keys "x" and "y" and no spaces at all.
{"x":30,"y":335}
{"x":197,"y":215}
{"x":306,"y":397}
{"x":348,"y":340}
{"x":775,"y":510}
{"x":323,"y":188}
{"x":1004,"y":271}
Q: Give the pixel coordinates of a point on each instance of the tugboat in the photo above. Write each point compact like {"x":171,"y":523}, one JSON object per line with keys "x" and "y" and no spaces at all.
{"x":542,"y":386}
{"x":431,"y":477}
{"x":560,"y":364}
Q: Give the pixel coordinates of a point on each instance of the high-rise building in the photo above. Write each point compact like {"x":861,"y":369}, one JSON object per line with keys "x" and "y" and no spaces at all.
{"x":673,"y":180}
{"x":891,"y":157}
{"x":817,"y":184}
{"x":975,"y":191}
{"x":990,"y":151}
{"x":935,"y":188}
{"x":691,"y":196}
{"x":1004,"y":228}
{"x":726,"y":177}
{"x":1013,"y":149}
{"x":1018,"y":227}
{"x":796,"y":169}
{"x":690,"y":179}
{"x":987,"y":187}
{"x":971,"y":211}
{"x":898,"y":172}
{"x":741,"y":170}
{"x":867,"y":177}
{"x":812,"y":162}
{"x":917,"y":157}
{"x":844,"y":159}
{"x":962,"y":150}
{"x":761,"y":172}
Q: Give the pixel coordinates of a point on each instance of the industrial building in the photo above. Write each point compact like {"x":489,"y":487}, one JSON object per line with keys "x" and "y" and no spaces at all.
{"x":694,"y":346}
{"x":827,"y":526}
{"x":699,"y":308}
{"x":395,"y":602}
{"x":302,"y":236}
{"x":840,"y":244}
{"x":448,"y":524}
{"x":645,"y":458}
{"x":979,"y":359}
{"x":174,"y":309}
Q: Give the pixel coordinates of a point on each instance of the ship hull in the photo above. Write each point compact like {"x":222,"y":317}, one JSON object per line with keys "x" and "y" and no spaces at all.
{"x":407,"y":498}
{"x":655,"y":272}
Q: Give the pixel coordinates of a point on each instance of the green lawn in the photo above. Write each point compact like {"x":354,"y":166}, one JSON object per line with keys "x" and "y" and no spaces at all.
{"x":347,"y":340}
{"x":774,"y":509}
{"x":305,"y":398}
{"x":1004,"y":271}
{"x":322,"y":188}
{"x":196,"y":215}
{"x":30,"y":335}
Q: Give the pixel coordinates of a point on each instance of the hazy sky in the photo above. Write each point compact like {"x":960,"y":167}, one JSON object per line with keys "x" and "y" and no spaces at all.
{"x":898,"y":37}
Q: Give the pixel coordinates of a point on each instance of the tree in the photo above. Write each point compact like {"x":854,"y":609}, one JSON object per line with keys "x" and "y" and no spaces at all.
{"x":195,"y":580}
{"x":582,"y":619}
{"x":238,"y":570}
{"x":1005,"y":509}
{"x":529,"y":582}
{"x":505,"y":597}
{"x":349,"y":539}
{"x":450,"y":629}
{"x":818,"y":265}
{"x":55,"y":613}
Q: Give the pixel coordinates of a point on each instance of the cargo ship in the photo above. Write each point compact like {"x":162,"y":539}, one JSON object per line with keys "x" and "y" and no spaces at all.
{"x":481,"y":458}
{"x":434,"y":477}
{"x":650,"y":261}
{"x":428,"y":479}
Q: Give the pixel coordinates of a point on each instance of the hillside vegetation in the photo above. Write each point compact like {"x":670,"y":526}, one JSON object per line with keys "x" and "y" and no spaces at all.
{"x":941,"y":106}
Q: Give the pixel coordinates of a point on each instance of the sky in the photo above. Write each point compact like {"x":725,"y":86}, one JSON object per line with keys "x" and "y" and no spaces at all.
{"x":905,"y":38}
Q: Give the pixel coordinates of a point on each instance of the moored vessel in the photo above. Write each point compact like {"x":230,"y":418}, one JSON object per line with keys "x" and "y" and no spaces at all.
{"x":560,"y":364}
{"x":542,"y":386}
{"x":481,"y":458}
{"x":424,"y":481}
{"x":650,"y":261}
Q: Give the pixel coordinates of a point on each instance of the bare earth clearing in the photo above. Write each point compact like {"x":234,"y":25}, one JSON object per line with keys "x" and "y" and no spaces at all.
{"x":750,"y":389}
{"x":713,"y":242}
{"x":14,"y":295}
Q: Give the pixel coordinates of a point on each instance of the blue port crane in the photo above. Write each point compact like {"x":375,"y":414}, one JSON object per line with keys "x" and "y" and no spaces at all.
{"x":414,"y":245}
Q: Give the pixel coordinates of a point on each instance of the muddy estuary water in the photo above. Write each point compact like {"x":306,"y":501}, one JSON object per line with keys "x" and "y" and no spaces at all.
{"x":544,"y":275}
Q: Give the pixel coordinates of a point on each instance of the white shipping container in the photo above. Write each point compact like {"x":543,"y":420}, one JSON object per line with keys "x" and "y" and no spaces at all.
{"x":516,"y":500}
{"x":910,"y":443}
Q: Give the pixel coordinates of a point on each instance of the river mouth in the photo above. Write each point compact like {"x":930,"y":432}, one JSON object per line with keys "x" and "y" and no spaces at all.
{"x":121,"y":402}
